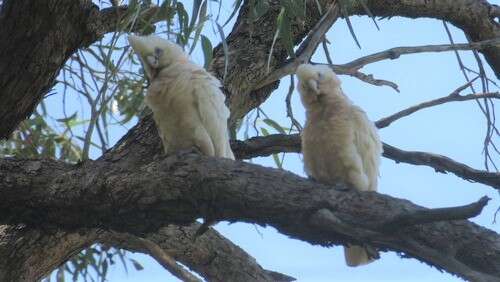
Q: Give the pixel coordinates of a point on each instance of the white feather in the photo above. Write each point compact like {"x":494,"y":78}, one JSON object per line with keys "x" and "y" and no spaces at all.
{"x":187,"y":103}
{"x":339,"y":142}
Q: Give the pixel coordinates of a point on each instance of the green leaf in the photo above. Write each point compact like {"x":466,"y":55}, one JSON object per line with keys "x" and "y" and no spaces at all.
{"x":274,"y":125}
{"x":225,"y":48}
{"x":66,"y":120}
{"x":136,"y":264}
{"x":264,"y":131}
{"x":199,"y":27}
{"x":277,"y":161}
{"x":207,"y":50}
{"x":368,"y":12}
{"x":183,"y":18}
{"x":275,"y":37}
{"x":194,"y":14}
{"x":236,"y":7}
{"x":104,"y":268}
{"x":344,"y":11}
{"x":285,"y":34}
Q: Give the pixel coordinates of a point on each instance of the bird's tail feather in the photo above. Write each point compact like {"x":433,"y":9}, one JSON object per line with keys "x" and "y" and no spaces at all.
{"x":356,"y":256}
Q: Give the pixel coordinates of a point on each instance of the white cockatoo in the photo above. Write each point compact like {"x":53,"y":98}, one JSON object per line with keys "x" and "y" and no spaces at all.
{"x":339,"y":143}
{"x":186,"y":100}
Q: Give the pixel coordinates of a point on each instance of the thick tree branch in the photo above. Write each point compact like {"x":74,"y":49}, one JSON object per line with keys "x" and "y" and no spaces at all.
{"x":180,"y":189}
{"x":143,"y":141}
{"x":211,"y":255}
{"x":277,"y":143}
{"x":30,"y":253}
{"x":36,"y":39}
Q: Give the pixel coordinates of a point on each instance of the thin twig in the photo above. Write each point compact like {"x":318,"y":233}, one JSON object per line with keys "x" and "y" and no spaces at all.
{"x":288,"y":102}
{"x":396,"y":52}
{"x":393,"y":53}
{"x":368,"y":78}
{"x":327,"y":52}
{"x":384,"y":122}
{"x":168,"y":262}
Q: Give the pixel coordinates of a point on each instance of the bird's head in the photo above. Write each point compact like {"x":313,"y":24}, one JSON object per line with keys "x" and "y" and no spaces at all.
{"x":316,"y":80}
{"x":156,"y":53}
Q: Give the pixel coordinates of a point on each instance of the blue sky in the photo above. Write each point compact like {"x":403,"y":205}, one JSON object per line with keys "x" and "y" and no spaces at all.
{"x":455,"y":130}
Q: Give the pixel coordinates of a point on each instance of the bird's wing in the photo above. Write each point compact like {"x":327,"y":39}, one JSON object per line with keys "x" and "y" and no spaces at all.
{"x":212,"y":110}
{"x":368,"y":145}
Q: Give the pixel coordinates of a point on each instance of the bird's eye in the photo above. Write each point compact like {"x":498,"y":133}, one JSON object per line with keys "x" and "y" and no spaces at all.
{"x":320,"y":76}
{"x":158,"y":52}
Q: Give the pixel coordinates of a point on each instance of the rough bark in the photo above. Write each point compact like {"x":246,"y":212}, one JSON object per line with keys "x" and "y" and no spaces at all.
{"x":28,"y":254}
{"x":211,"y":255}
{"x":36,"y":39}
{"x":179,"y":190}
{"x":214,"y":257}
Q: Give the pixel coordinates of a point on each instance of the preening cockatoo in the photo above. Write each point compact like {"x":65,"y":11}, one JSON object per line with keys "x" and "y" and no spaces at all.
{"x":339,"y":142}
{"x":187,"y":103}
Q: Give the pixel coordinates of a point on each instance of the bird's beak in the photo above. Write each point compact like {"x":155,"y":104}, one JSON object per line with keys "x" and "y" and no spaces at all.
{"x":145,"y":50}
{"x":139,"y":44}
{"x":313,"y":85}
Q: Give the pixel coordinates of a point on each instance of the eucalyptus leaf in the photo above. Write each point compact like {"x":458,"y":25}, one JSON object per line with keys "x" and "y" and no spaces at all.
{"x":207,"y":50}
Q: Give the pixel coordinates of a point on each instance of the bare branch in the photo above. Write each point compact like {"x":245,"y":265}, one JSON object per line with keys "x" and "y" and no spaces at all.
{"x":288,"y":102}
{"x":396,"y":52}
{"x":352,"y":68}
{"x":432,"y":215}
{"x":443,"y":164}
{"x":453,"y":97}
{"x":370,"y":79}
{"x":276,"y":143}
